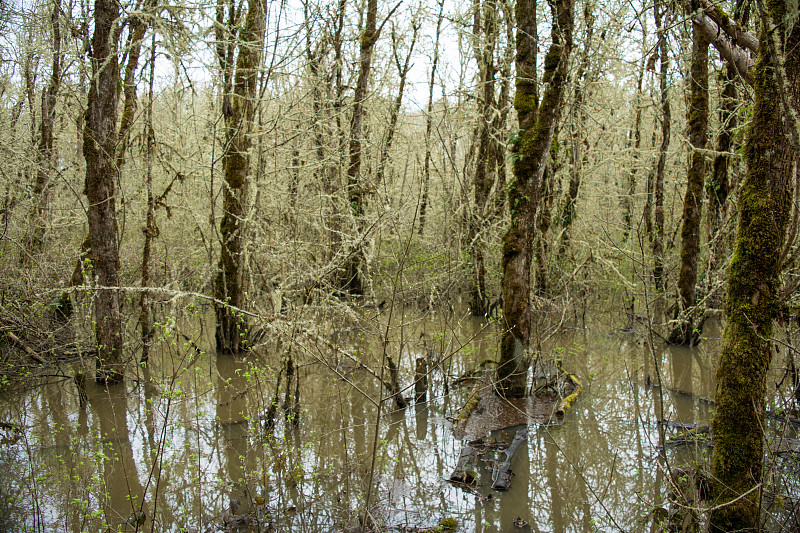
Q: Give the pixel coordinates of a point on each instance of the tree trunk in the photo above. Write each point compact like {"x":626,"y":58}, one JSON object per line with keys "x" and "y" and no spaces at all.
{"x":137,"y":32}
{"x":150,"y":229}
{"x":426,"y":167}
{"x":753,"y":282}
{"x":685,"y":332}
{"x":580,"y":141}
{"x":547,"y":196}
{"x":666,"y":122}
{"x":352,"y":280}
{"x":635,"y":142}
{"x":46,"y":154}
{"x":99,"y":144}
{"x":484,"y":30}
{"x":231,"y":329}
{"x":537,"y":121}
{"x":718,"y":187}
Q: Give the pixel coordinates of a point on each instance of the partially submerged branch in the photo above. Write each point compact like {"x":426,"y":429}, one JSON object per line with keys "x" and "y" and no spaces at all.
{"x":567,"y":402}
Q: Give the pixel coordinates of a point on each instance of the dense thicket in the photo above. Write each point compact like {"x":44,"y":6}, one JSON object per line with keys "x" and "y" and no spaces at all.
{"x":293,"y":157}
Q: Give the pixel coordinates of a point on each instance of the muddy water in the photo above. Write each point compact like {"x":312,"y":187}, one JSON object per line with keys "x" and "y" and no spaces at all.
{"x":184,"y":445}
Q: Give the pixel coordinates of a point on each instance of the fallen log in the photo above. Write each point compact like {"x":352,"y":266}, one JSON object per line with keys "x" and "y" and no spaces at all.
{"x":462,"y":475}
{"x":567,"y":402}
{"x":689,"y":434}
{"x":25,"y":348}
{"x":469,"y":407}
{"x":501,"y":475}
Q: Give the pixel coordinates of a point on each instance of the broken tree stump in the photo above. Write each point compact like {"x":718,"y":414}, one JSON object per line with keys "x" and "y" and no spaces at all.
{"x":421,"y":381}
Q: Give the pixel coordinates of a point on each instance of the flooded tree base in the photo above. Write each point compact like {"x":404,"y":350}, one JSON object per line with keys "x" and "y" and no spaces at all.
{"x":492,"y":429}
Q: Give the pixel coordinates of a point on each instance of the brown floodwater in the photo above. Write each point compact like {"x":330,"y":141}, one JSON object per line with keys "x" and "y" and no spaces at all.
{"x":184,"y":444}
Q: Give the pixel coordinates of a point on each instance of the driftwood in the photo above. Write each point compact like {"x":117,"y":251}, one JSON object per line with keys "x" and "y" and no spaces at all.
{"x":501,"y":474}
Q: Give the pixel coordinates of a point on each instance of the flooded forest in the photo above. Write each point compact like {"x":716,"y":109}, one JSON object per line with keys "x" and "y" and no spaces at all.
{"x":405,"y":266}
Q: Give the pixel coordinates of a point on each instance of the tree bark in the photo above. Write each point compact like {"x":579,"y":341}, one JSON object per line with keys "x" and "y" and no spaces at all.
{"x":685,"y":332}
{"x":666,"y":122}
{"x":537,"y":121}
{"x":544,"y":216}
{"x":580,"y":141}
{"x":46,"y":154}
{"x":426,"y":167}
{"x":231,"y":329}
{"x":99,"y":144}
{"x":394,"y":111}
{"x":352,"y":280}
{"x":718,"y":187}
{"x":484,"y":30}
{"x":151,"y":228}
{"x":753,"y":282}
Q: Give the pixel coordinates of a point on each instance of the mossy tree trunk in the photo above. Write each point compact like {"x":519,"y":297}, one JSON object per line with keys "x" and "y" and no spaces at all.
{"x":579,"y":140}
{"x":150,"y":228}
{"x":753,"y":281}
{"x":484,"y":31}
{"x":666,"y":123}
{"x":537,"y":121}
{"x":547,"y":198}
{"x":635,"y":143}
{"x":426,"y":167}
{"x":46,"y":153}
{"x":99,"y":144}
{"x":239,"y":112}
{"x":352,"y":275}
{"x":137,"y":28}
{"x":684,"y":331}
{"x":718,"y":187}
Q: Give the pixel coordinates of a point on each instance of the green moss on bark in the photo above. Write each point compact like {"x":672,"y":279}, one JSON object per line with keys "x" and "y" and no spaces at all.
{"x":231,"y":329}
{"x":752,"y":304}
{"x":537,"y":122}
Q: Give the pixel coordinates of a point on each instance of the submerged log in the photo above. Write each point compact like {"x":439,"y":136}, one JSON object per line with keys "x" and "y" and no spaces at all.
{"x":567,"y":402}
{"x":502,"y":474}
{"x":469,"y":407}
{"x":462,"y":474}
